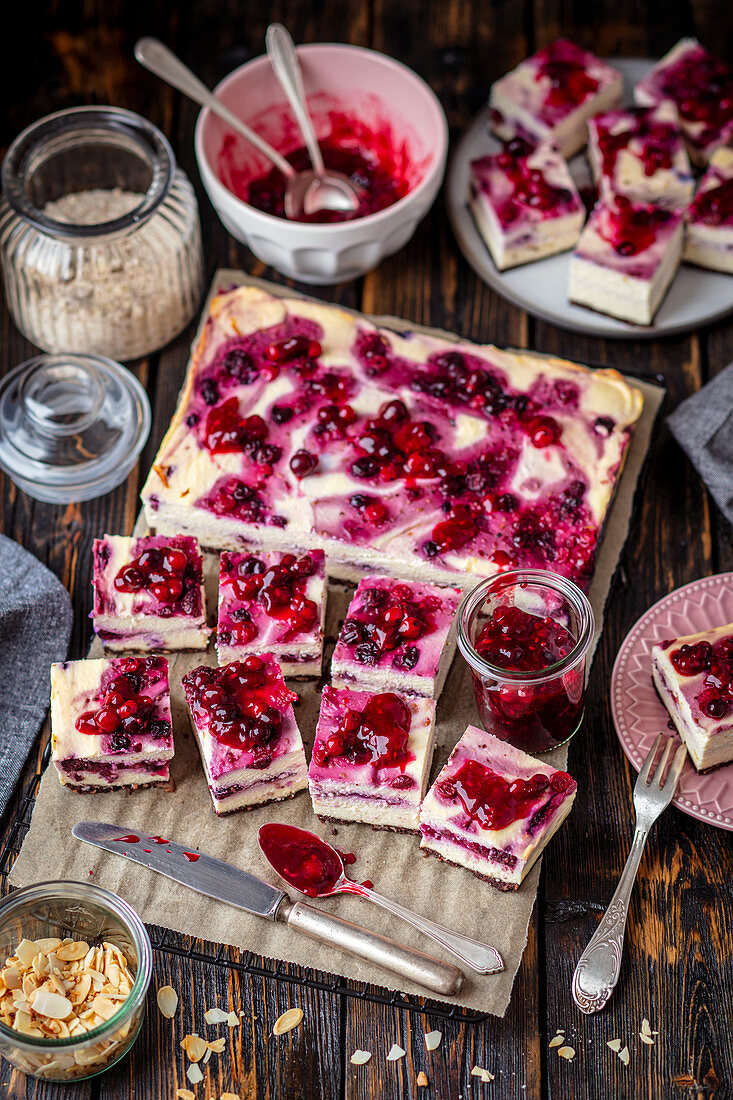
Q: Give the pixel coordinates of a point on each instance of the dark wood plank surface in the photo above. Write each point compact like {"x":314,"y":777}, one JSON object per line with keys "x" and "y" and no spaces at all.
{"x":678,"y":968}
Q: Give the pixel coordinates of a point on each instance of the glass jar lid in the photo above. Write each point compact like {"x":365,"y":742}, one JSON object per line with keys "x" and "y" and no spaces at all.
{"x":71,"y":426}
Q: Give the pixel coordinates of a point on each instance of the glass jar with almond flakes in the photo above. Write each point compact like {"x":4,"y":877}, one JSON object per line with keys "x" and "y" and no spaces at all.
{"x":75,"y":966}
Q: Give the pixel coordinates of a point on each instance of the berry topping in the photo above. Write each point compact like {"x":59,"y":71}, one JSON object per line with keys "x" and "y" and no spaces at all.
{"x":303,"y":463}
{"x":166,"y":573}
{"x":492,"y":802}
{"x":631,"y":228}
{"x":378,"y":735}
{"x":231,"y":496}
{"x":227,"y":431}
{"x":388,"y":621}
{"x":124,"y":707}
{"x":714,"y":206}
{"x":295,"y":347}
{"x":241,"y":704}
{"x":563,"y":65}
{"x":239,"y":366}
{"x":689,"y":660}
{"x":543,"y":431}
{"x":278,"y":589}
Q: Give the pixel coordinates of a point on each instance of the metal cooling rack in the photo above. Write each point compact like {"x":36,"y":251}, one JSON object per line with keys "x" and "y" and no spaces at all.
{"x":227,"y":958}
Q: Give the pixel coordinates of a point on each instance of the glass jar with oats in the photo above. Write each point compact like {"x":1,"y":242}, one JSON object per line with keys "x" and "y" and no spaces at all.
{"x":75,"y":966}
{"x":100,"y":239}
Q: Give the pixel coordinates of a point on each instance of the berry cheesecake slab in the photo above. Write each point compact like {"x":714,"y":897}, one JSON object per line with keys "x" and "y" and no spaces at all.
{"x":626,"y":258}
{"x":301,"y":425}
{"x":274,"y":602}
{"x":525,"y":203}
{"x":149,"y":594}
{"x":694,"y":678}
{"x":493,"y":809}
{"x":111,"y":723}
{"x":709,"y":229}
{"x":639,"y":152}
{"x":701,"y":88}
{"x":397,"y":637}
{"x":371,"y":758}
{"x":243,"y":721}
{"x":551,"y":96}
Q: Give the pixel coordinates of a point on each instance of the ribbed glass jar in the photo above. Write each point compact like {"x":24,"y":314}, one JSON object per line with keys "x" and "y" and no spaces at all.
{"x":100,"y":239}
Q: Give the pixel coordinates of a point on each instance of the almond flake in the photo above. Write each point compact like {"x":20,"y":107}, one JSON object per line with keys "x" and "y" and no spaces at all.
{"x":233,"y":1021}
{"x":218,"y":1045}
{"x":167,"y":1001}
{"x":26,"y":952}
{"x":557,"y":1041}
{"x":229,"y":1096}
{"x":195,"y":1047}
{"x":194,"y":1074}
{"x":52,"y":1005}
{"x":360,"y":1057}
{"x":432,"y":1039}
{"x":185,"y":1094}
{"x":624,"y":1056}
{"x":614,"y":1044}
{"x":421,"y":1079}
{"x":207,"y":1056}
{"x":484,"y":1074}
{"x":287,"y":1021}
{"x":72,"y":949}
{"x":567,"y":1053}
{"x":395,"y":1053}
{"x":216,"y":1016}
{"x":646,"y":1039}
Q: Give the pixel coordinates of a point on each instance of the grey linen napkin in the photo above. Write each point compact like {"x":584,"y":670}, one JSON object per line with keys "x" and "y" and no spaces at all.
{"x":35,"y":626}
{"x":703,"y":427}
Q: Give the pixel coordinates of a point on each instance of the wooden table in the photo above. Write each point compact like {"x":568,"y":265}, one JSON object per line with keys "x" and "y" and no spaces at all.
{"x":678,"y":967}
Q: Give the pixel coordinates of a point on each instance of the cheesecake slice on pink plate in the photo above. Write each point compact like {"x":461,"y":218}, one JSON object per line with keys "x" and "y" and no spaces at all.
{"x":701,"y":88}
{"x":243,"y":720}
{"x":274,"y":602}
{"x":493,"y":809}
{"x":525,"y":203}
{"x":397,"y":637}
{"x":551,"y":95}
{"x":149,"y":594}
{"x":639,"y":152}
{"x":694,"y":678}
{"x":626,"y":258}
{"x":709,"y":228}
{"x":371,"y":758}
{"x":111,"y":723}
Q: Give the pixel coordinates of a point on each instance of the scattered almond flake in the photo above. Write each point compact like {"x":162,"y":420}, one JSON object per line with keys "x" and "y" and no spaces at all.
{"x":234,"y":1021}
{"x":624,"y":1056}
{"x":287,"y":1021}
{"x":432,"y":1039}
{"x":421,"y":1079}
{"x":646,"y":1039}
{"x":185,"y":1094}
{"x":557,"y":1041}
{"x":218,"y":1045}
{"x":567,"y":1053}
{"x":395,"y":1052}
{"x":53,"y":1005}
{"x":484,"y":1074}
{"x":194,"y":1074}
{"x":360,"y":1057}
{"x":208,"y":1054}
{"x":195,"y":1047}
{"x":167,"y":1001}
{"x":216,"y":1016}
{"x":614,"y":1044}
{"x":229,"y":1096}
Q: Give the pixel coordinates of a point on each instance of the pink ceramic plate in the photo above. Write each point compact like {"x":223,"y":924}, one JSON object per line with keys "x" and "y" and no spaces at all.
{"x":637,"y":712}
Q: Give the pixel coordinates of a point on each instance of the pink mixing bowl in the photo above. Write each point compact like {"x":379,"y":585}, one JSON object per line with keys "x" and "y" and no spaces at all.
{"x":344,"y":84}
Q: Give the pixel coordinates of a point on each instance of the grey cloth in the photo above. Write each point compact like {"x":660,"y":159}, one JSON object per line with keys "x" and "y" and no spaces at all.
{"x":35,"y":626}
{"x":703,"y":426}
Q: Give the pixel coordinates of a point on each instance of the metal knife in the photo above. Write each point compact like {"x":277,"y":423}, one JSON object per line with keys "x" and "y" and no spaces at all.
{"x":220,"y":880}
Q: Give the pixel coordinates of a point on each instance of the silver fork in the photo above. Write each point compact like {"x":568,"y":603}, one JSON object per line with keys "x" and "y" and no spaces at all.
{"x":599,"y":966}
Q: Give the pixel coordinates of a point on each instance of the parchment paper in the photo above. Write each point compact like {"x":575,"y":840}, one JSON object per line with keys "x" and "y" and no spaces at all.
{"x":446,"y":893}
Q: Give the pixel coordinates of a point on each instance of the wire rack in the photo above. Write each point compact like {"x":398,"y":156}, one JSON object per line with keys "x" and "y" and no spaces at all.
{"x":211,"y":954}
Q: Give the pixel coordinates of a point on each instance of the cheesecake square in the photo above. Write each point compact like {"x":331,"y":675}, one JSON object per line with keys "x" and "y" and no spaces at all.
{"x":701,"y":88}
{"x":396,"y":637}
{"x":626,"y":258}
{"x":525,"y":203}
{"x":639,"y":152}
{"x":371,"y":758}
{"x":709,"y":225}
{"x":111,"y":723}
{"x":273,"y":602}
{"x":244,"y":724}
{"x":551,"y":95}
{"x":149,"y":594}
{"x":694,"y":677}
{"x":493,"y":808}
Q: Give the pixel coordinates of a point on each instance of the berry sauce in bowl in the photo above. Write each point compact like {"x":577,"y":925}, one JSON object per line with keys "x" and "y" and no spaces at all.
{"x":525,"y":635}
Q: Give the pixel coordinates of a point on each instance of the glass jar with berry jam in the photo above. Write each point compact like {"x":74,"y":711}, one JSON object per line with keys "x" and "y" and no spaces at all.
{"x":525,"y":635}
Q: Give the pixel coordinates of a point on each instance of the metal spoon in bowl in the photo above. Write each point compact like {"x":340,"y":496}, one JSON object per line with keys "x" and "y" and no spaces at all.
{"x":323,"y":188}
{"x":156,"y":57}
{"x":316,"y":869}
